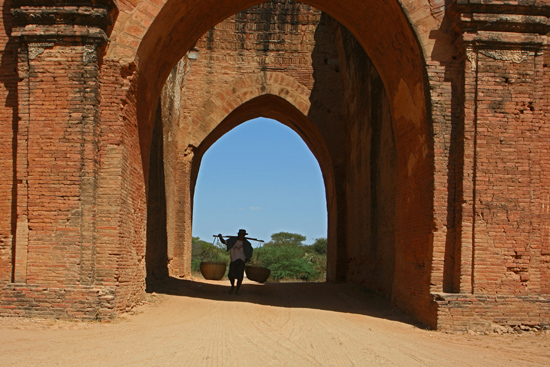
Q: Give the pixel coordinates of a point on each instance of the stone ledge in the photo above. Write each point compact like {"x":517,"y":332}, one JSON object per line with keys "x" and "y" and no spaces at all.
{"x":459,"y":312}
{"x":68,"y":302}
{"x":57,"y":20}
{"x":511,"y":16}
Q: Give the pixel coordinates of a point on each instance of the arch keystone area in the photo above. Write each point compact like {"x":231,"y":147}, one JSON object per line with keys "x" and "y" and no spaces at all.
{"x":248,"y":88}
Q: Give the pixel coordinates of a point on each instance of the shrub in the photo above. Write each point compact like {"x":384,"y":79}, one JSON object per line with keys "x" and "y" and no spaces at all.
{"x":205,"y":251}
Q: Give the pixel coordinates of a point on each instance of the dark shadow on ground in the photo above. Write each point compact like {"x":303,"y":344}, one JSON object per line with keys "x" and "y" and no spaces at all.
{"x":338,"y":297}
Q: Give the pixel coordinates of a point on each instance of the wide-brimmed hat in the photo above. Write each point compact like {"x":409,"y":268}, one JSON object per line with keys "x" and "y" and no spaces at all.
{"x":243,"y":230}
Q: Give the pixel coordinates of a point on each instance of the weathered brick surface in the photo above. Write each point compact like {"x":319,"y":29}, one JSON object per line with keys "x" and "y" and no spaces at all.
{"x":508,"y":174}
{"x":58,"y":182}
{"x":67,"y":302}
{"x":485,"y":313}
{"x":120,"y":256}
{"x":8,"y":101}
{"x":431,"y":136}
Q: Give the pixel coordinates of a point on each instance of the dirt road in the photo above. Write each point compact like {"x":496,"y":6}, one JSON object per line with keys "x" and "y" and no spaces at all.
{"x":196,"y":323}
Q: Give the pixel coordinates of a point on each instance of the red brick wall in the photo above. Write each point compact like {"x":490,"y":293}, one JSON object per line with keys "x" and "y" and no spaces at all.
{"x":122,"y":196}
{"x":8,"y":113}
{"x":371,"y":162}
{"x":508,"y":189}
{"x":56,"y":119}
{"x":67,"y":302}
{"x":130,"y":275}
{"x":488,"y":313}
{"x":57,"y":285}
{"x":544,"y":217}
{"x":58,"y":132}
{"x":80,"y":194}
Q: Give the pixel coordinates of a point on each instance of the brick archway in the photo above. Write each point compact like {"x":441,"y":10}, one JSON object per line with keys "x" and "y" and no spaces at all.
{"x":134,"y":67}
{"x":438,"y":110}
{"x":278,"y":108}
{"x":410,"y":176}
{"x":242,"y":90}
{"x":143,"y":32}
{"x":396,"y":54}
{"x":272,"y":95}
{"x":282,"y":109}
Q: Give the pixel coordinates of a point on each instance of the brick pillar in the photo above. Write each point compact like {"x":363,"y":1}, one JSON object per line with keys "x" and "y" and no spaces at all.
{"x":57,"y":138}
{"x":504,"y":145}
{"x":179,"y":217}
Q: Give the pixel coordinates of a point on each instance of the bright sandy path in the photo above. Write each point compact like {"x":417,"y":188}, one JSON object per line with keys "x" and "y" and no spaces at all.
{"x":196,"y":323}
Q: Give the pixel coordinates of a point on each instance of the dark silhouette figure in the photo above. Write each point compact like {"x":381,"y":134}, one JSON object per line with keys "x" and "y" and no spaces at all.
{"x":240,"y":251}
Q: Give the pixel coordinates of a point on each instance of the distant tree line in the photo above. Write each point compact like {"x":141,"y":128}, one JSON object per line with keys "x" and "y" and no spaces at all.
{"x":285,"y":255}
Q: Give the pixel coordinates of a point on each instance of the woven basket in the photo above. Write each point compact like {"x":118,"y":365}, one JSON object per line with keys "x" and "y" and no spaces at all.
{"x":213,"y":270}
{"x":257,"y":273}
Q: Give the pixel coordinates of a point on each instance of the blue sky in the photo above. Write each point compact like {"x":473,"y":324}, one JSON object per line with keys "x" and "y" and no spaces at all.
{"x":260,"y":176}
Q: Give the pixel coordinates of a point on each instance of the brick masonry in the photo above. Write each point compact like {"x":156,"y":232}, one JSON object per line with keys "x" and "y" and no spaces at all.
{"x":486,"y":313}
{"x":427,"y":119}
{"x":67,"y":302}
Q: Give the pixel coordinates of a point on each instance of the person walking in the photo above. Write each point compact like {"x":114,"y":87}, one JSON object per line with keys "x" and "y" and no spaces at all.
{"x":240,"y":252}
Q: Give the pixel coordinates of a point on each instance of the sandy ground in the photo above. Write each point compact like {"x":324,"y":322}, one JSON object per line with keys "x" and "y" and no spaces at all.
{"x":196,"y":323}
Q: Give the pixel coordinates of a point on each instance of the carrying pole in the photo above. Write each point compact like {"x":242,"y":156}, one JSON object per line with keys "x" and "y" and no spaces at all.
{"x":246,"y":238}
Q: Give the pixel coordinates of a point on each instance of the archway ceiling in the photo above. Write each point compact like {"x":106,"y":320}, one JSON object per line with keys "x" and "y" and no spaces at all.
{"x":380,"y":26}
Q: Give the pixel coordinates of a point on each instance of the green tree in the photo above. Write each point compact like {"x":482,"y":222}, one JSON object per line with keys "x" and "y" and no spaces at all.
{"x":320,"y":246}
{"x":317,"y":255}
{"x":197,"y":247}
{"x":288,"y":257}
{"x":286,"y":239}
{"x":297,"y":268}
{"x":206,"y":251}
{"x":269,"y":255}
